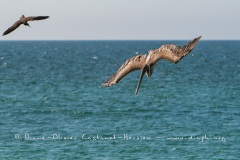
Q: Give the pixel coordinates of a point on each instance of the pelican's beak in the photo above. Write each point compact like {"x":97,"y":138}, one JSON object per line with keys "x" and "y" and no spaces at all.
{"x":141,"y":77}
{"x":149,"y":70}
{"x":28,"y":25}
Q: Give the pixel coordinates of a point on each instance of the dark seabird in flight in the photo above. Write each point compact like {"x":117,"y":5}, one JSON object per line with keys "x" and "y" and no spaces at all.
{"x":146,"y":63}
{"x":23,"y":20}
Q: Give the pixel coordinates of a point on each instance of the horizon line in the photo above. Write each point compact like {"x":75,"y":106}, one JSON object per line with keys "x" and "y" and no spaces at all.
{"x":116,"y":40}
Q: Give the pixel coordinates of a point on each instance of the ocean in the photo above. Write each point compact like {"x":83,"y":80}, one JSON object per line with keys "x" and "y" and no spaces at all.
{"x":53,"y":105}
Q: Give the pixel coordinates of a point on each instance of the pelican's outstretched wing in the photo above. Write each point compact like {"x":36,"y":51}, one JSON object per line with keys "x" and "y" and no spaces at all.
{"x":13,"y":27}
{"x":21,"y":21}
{"x":36,"y":18}
{"x":134,"y":63}
{"x":172,"y":52}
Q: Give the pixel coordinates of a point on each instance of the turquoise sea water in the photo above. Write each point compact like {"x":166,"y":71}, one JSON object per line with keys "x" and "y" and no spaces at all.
{"x":54,"y":107}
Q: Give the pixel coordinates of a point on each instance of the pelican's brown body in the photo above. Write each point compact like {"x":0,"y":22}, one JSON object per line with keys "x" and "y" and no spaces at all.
{"x":146,"y":63}
{"x":23,"y":20}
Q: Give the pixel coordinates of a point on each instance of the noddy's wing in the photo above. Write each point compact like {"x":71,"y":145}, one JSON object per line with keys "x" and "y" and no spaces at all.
{"x":174,"y":53}
{"x":13,"y":27}
{"x":36,"y":18}
{"x":134,"y":63}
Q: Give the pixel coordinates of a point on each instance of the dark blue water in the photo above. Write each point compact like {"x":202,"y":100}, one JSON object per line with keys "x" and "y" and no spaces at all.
{"x":54,"y":107}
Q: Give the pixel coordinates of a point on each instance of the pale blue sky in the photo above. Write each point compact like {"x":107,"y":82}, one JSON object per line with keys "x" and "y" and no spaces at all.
{"x":122,"y":19}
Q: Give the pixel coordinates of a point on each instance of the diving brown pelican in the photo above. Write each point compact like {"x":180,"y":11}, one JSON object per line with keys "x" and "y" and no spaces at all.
{"x":146,"y":63}
{"x":23,"y":20}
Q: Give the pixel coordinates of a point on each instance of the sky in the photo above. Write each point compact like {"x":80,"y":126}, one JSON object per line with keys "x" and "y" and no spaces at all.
{"x":123,"y":19}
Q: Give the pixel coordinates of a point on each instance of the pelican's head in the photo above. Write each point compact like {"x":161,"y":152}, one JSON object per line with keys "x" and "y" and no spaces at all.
{"x":22,"y":17}
{"x":150,"y":68}
{"x":149,"y":64}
